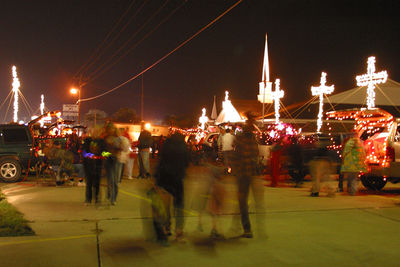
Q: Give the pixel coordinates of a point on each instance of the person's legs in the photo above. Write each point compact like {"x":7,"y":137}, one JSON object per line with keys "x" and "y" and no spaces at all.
{"x":178,"y":206}
{"x":315,"y":177}
{"x":141,"y":167}
{"x":352,"y":183}
{"x":146,"y":163}
{"x":243,"y":193}
{"x":129,"y":167}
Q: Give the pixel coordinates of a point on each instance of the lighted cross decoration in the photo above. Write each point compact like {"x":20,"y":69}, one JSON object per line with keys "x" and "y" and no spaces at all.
{"x":277,"y":95}
{"x":320,"y":91}
{"x":203,"y":119}
{"x":370,"y":79}
{"x":15,"y":88}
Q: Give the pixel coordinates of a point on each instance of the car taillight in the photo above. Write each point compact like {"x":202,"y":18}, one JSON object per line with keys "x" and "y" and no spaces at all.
{"x":390,"y":153}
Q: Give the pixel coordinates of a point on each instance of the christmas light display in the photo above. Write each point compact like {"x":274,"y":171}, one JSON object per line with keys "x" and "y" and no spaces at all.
{"x":373,"y":127}
{"x":15,"y":88}
{"x":320,"y":91}
{"x":370,"y":79}
{"x":41,"y":104}
{"x":228,"y":113}
{"x":265,"y":86}
{"x":203,"y":119}
{"x":277,"y":95}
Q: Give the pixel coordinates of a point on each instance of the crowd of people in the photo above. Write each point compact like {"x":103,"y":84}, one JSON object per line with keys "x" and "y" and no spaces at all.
{"x":106,"y":149}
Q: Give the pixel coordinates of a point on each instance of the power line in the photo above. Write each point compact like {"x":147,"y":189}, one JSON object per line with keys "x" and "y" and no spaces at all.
{"x":93,"y":58}
{"x":138,"y":43}
{"x":127,"y":41}
{"x":167,"y":55}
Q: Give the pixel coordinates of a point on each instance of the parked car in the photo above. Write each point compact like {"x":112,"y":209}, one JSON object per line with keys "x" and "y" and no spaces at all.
{"x":16,"y":151}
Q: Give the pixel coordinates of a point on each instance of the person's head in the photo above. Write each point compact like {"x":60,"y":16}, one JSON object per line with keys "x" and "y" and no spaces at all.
{"x":228,"y":130}
{"x":110,"y":129}
{"x":57,"y":144}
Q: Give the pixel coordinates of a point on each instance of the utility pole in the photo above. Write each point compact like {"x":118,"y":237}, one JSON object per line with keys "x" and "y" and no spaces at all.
{"x":141,"y":101}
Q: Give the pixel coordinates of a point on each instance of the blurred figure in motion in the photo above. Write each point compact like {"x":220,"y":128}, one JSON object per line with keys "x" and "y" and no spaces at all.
{"x":227,"y":142}
{"x":295,"y":156}
{"x":276,"y":154}
{"x":170,"y":172}
{"x":321,"y":169}
{"x":92,"y":148}
{"x":246,"y":164}
{"x":112,"y":165}
{"x":145,"y":143}
{"x":353,"y":162}
{"x":123,"y":154}
{"x":211,"y":193}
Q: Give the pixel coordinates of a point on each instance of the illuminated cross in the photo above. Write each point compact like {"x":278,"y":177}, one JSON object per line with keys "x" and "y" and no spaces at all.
{"x":370,"y":79}
{"x":203,"y":119}
{"x":277,"y":95}
{"x":320,"y":91}
{"x":15,"y":88}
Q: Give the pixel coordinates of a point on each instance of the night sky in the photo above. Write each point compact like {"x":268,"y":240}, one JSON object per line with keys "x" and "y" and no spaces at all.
{"x":50,"y":41}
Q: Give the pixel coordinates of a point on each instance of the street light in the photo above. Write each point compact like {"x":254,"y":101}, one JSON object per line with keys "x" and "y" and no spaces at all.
{"x":75,"y":91}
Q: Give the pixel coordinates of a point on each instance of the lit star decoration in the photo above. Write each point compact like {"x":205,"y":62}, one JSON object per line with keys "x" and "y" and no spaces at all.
{"x":277,"y":95}
{"x":265,"y":85}
{"x":15,"y":88}
{"x":320,"y":91}
{"x":370,"y":79}
{"x":203,"y":119}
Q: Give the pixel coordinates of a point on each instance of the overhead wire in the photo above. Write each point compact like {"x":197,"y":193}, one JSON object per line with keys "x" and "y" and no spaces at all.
{"x":92,"y":58}
{"x":6,"y":99}
{"x":386,"y":96}
{"x":139,"y":42}
{"x":8,"y":108}
{"x":165,"y":56}
{"x":98,"y":69}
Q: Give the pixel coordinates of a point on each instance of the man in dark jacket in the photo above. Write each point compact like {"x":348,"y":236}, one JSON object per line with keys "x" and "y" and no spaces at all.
{"x":171,"y":170}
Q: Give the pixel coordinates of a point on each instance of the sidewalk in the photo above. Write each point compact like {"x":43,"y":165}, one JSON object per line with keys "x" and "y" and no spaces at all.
{"x":302,"y":231}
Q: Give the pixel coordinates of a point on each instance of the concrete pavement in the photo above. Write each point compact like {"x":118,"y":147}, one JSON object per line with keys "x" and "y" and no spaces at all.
{"x":301,"y":231}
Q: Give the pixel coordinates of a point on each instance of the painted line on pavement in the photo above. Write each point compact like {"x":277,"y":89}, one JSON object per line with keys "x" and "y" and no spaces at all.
{"x":391,"y":198}
{"x":149,"y":201}
{"x":45,"y":240}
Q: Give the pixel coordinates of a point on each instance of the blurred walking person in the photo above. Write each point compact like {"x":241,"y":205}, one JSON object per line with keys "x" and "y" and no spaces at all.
{"x":227,"y":145}
{"x":145,"y":143}
{"x":246,"y":159}
{"x":170,"y":173}
{"x":92,"y":149}
{"x":112,"y":165}
{"x":321,"y":169}
{"x":210,"y":194}
{"x":353,"y":162}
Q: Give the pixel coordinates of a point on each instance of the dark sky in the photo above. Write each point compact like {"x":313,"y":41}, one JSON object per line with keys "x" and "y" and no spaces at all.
{"x":49,"y":41}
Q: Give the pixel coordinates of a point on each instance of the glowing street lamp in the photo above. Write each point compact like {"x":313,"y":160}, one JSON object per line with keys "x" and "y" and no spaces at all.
{"x":320,"y":91}
{"x":75,"y":91}
{"x":370,"y":79}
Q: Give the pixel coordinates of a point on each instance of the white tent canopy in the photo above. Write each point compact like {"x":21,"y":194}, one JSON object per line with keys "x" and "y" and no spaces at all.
{"x":387,"y":94}
{"x":228,"y":112}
